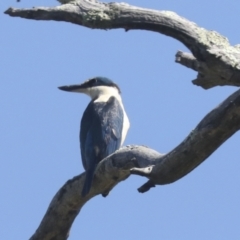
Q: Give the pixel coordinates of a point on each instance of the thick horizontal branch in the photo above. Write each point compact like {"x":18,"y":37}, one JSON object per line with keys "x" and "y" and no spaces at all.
{"x":219,"y":125}
{"x":220,"y":62}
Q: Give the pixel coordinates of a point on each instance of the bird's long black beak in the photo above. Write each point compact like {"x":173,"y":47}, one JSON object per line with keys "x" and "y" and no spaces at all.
{"x":72,"y":88}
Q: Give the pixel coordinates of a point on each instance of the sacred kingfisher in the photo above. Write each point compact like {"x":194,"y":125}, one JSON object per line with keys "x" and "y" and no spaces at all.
{"x":104,"y":123}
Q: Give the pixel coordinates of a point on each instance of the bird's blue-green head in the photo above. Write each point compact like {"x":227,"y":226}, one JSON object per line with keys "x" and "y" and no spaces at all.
{"x":94,"y":87}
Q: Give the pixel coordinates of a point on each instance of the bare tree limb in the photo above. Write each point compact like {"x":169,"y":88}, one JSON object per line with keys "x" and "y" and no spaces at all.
{"x":68,"y":202}
{"x":217,"y":126}
{"x":218,"y":60}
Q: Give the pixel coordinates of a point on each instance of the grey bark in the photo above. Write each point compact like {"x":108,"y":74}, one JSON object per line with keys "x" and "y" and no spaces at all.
{"x":217,"y":64}
{"x":218,"y":61}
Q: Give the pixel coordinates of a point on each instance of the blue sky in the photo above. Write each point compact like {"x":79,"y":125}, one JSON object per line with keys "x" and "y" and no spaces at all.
{"x":39,"y":125}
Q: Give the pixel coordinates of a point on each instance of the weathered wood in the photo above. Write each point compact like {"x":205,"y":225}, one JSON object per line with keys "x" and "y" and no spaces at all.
{"x":68,"y":201}
{"x":218,"y":61}
{"x":215,"y":128}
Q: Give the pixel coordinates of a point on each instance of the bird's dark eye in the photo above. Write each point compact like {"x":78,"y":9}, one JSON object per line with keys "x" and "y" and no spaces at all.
{"x":92,"y":82}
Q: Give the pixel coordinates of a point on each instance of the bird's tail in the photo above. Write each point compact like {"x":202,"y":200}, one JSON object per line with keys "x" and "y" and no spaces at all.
{"x":88,"y":181}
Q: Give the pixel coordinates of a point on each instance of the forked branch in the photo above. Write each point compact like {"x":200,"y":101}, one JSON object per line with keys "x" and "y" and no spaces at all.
{"x":218,"y":61}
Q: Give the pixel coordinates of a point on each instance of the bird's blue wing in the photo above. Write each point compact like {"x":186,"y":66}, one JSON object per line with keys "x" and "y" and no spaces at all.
{"x":90,"y":131}
{"x":100,"y":135}
{"x":101,"y":131}
{"x":112,"y":124}
{"x":90,"y":135}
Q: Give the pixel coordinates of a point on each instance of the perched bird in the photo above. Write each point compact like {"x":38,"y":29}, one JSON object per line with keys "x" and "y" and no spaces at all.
{"x":104,"y":123}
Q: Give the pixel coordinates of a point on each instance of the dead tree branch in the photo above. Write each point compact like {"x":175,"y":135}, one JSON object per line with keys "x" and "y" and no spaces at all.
{"x":218,"y":61}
